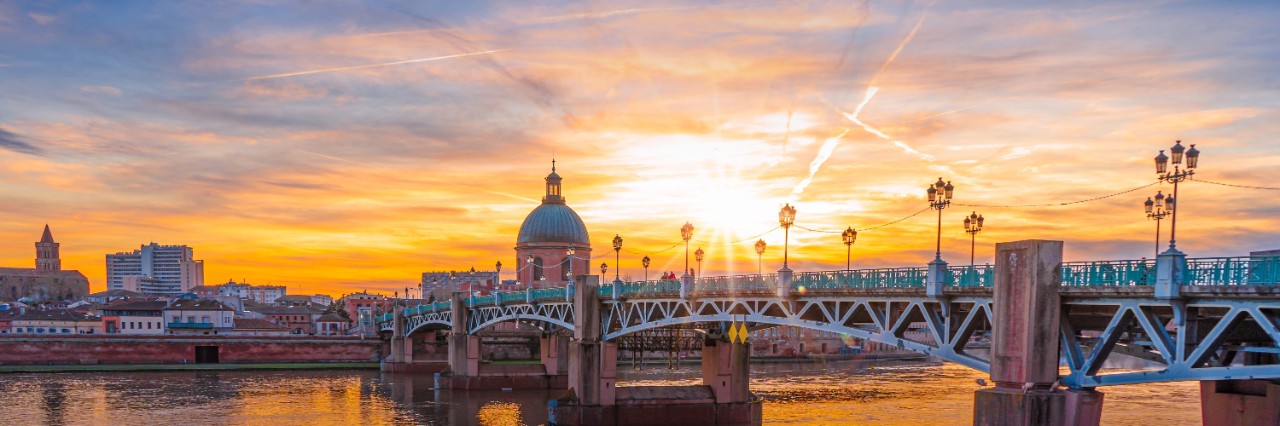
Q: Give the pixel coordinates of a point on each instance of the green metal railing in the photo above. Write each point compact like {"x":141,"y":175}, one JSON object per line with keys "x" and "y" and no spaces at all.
{"x":512,"y":297}
{"x":548,"y":294}
{"x":861,"y":278}
{"x":1111,"y":273}
{"x":970,"y":276}
{"x":1211,"y":271}
{"x":752,"y":282}
{"x":1233,"y":271}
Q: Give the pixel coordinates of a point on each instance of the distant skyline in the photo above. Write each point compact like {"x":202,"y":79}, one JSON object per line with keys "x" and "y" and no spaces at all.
{"x":351,"y":146}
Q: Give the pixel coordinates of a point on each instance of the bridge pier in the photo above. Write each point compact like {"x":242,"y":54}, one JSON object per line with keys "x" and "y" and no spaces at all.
{"x":1025,"y":345}
{"x":594,"y":399}
{"x":467,"y":372}
{"x":1240,"y":402}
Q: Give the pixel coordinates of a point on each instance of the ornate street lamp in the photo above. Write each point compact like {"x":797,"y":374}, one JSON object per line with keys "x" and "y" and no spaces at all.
{"x":497,"y":280}
{"x":617,"y":257}
{"x":972,"y":226}
{"x":1177,"y":175}
{"x":645,"y":262}
{"x":849,"y":235}
{"x":528,"y":263}
{"x":939,"y":198}
{"x":1158,"y":209}
{"x":698,"y":255}
{"x":686,"y":232}
{"x":604,"y":268}
{"x":760,"y":246}
{"x":786,"y":217}
{"x":569,"y":257}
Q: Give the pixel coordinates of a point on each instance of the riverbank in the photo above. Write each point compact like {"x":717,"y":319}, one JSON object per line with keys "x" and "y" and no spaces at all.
{"x":187,"y":367}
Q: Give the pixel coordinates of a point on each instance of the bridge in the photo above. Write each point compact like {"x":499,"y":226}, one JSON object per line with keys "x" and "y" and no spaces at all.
{"x":1053,"y":326}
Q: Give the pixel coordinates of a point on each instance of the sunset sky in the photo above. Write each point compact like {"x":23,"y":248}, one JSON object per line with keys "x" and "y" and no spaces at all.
{"x":349,"y":145}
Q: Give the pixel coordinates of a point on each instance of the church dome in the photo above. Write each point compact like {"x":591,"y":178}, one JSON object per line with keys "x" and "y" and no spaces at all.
{"x":553,"y":223}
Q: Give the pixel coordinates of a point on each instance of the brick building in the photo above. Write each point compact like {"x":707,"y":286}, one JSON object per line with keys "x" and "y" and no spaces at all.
{"x":47,"y":281}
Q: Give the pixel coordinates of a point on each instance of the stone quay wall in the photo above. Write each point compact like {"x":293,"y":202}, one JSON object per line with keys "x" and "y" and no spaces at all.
{"x":62,"y":350}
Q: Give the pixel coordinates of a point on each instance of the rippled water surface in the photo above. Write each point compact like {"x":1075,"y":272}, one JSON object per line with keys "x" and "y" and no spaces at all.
{"x":800,"y":394}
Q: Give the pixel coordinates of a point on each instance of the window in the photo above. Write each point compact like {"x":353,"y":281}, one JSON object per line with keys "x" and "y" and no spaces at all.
{"x":204,"y":319}
{"x":175,"y":318}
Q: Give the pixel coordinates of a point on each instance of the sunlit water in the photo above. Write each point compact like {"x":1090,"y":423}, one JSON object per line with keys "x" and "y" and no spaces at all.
{"x":801,"y":394}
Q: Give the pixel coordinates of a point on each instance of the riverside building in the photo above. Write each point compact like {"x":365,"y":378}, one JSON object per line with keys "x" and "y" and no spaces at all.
{"x":160,"y":270}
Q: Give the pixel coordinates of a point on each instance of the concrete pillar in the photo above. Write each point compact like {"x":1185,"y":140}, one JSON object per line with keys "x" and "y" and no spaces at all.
{"x":1171,"y":268}
{"x":592,"y":362}
{"x":1240,"y":402}
{"x":396,"y":351}
{"x":464,"y":349}
{"x":1024,"y":344}
{"x":554,"y":351}
{"x":784,"y":282}
{"x":726,"y":369}
{"x":936,"y":279}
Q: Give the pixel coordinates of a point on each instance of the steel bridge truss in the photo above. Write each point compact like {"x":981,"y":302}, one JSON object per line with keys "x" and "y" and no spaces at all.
{"x":1199,"y":339}
{"x":559,"y":314}
{"x":913,"y":323}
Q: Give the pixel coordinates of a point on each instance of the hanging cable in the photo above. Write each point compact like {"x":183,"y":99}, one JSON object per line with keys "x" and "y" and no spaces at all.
{"x":1066,"y":203}
{"x":1235,"y":185}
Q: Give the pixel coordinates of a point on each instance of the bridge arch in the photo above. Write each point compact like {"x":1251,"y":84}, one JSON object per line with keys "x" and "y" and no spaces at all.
{"x":887,"y":326}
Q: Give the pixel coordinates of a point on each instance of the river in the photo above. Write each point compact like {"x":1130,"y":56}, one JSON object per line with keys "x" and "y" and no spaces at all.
{"x":847,"y":392}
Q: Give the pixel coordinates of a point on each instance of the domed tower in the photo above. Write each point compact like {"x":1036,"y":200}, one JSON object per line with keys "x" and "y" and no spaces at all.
{"x":549,"y":234}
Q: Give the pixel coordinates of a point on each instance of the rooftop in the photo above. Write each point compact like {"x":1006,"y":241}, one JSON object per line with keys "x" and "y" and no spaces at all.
{"x":197,"y":305}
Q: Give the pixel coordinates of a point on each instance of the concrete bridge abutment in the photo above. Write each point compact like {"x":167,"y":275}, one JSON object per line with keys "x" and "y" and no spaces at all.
{"x":1025,"y":345}
{"x":1240,"y":402}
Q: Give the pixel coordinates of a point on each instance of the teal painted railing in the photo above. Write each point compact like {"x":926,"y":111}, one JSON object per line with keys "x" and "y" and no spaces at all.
{"x":548,"y":293}
{"x":511,"y":297}
{"x":765,"y":282}
{"x":971,"y":276}
{"x":648,"y":288}
{"x":861,"y":278}
{"x":1111,"y":273}
{"x":480,"y":301}
{"x":1233,"y":271}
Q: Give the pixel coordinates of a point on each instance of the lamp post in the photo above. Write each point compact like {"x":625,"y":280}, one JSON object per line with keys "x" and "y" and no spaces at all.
{"x":1177,"y":175}
{"x":760,"y":246}
{"x":497,"y":279}
{"x":686,"y":232}
{"x":698,"y":255}
{"x":604,"y":268}
{"x":1158,"y":209}
{"x":617,"y":258}
{"x":939,"y":198}
{"x":528,"y":263}
{"x":569,"y":258}
{"x":786,"y":217}
{"x":972,"y":226}
{"x":849,"y":235}
{"x":645,"y":262}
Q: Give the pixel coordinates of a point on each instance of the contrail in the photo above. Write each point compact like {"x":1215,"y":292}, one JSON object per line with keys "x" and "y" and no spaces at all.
{"x":358,"y":67}
{"x":328,"y":157}
{"x":823,"y":154}
{"x":902,"y":45}
{"x":600,"y":15}
{"x":871,"y":91}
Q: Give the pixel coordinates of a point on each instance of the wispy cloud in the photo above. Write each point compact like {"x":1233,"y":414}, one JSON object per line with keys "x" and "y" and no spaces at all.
{"x":12,"y":142}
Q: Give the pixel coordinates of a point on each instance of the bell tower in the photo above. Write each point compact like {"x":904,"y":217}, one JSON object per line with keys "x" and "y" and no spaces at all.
{"x":47,"y":257}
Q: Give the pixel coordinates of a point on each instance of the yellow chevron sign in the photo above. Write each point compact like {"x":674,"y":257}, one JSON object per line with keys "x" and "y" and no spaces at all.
{"x":738,"y":333}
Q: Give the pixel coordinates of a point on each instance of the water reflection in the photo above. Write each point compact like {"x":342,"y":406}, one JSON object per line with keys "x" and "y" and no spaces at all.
{"x":838,"y":392}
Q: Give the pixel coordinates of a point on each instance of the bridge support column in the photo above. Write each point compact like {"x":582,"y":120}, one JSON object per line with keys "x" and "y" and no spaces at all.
{"x":1024,"y":349}
{"x":726,"y":369}
{"x":1170,"y":268}
{"x":1240,"y":402}
{"x":464,"y":349}
{"x":554,"y":351}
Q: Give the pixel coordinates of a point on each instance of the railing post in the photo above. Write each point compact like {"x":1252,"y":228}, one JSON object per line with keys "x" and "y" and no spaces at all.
{"x":528,"y":295}
{"x":1171,"y":270}
{"x":617,"y":289}
{"x":686,"y":286}
{"x":937,"y":278}
{"x":784,"y":282}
